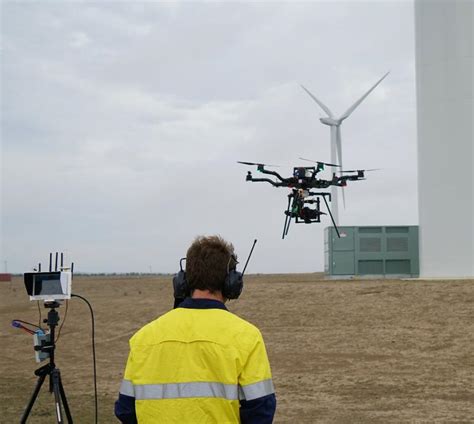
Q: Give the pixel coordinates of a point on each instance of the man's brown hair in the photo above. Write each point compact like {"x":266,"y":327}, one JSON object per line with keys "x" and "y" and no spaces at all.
{"x":208,"y":261}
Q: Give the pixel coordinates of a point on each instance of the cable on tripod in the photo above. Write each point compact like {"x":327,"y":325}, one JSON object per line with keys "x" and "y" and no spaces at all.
{"x":28,"y":323}
{"x":18,"y":323}
{"x":93,"y":352}
{"x":64,"y":320}
{"x":39,"y":311}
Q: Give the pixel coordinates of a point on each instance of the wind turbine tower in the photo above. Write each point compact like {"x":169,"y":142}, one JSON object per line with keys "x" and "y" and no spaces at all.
{"x":444,"y":46}
{"x":336,"y":144}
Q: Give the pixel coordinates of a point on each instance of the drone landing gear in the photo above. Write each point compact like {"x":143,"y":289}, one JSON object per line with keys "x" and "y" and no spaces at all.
{"x":330,"y":213}
{"x":288,"y":216}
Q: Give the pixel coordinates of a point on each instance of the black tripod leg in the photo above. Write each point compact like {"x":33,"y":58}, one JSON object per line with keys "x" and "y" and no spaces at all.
{"x":33,"y":398}
{"x":63,"y":398}
{"x":55,"y":378}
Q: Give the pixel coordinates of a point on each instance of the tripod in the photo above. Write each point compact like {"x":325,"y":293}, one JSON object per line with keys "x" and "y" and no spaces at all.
{"x":55,"y":384}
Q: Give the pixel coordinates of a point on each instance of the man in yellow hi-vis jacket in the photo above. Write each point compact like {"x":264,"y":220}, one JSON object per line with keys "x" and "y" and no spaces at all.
{"x":199,"y":363}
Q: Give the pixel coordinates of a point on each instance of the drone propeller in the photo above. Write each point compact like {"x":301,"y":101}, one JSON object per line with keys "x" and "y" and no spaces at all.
{"x":322,"y":163}
{"x":359,"y":170}
{"x":257,"y":164}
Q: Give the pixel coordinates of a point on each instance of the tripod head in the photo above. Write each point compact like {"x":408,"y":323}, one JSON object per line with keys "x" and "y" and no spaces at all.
{"x":53,"y":315}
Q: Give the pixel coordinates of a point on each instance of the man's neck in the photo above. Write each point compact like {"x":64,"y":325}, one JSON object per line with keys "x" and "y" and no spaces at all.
{"x":206,"y":294}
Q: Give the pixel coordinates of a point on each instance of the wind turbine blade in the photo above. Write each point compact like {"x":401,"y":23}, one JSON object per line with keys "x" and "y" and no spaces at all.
{"x":339,"y":154}
{"x":319,"y":102}
{"x":358,"y":102}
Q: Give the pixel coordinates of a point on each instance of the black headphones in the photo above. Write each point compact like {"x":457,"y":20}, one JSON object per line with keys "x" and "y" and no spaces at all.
{"x":232,"y":288}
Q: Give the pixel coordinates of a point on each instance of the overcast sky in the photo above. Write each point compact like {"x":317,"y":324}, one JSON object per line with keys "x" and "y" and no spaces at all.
{"x":122,"y":123}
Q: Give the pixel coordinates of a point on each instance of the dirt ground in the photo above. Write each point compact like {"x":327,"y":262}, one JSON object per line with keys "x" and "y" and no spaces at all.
{"x":359,"y":351}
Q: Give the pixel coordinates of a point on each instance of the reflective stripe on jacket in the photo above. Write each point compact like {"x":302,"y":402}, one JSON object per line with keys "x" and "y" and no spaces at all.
{"x":195,"y":366}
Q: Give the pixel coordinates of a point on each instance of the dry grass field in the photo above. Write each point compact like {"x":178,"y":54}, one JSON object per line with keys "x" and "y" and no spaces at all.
{"x":341,"y":351}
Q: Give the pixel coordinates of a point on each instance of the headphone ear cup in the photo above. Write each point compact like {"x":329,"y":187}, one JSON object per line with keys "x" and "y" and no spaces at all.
{"x":233,"y":285}
{"x":180,"y":285}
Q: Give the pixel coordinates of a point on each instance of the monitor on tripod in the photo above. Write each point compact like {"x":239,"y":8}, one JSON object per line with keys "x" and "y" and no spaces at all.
{"x":48,"y":286}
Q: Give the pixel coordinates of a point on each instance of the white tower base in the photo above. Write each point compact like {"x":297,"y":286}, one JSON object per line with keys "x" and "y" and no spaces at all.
{"x":445,"y":73}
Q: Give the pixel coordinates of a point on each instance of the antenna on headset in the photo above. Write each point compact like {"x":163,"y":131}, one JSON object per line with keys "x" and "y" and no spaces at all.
{"x":250,"y":254}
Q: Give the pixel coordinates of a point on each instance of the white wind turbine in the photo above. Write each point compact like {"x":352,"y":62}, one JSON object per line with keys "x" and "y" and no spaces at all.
{"x":336,"y":145}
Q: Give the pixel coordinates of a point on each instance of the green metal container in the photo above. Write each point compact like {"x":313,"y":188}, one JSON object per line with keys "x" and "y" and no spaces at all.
{"x":383,"y":251}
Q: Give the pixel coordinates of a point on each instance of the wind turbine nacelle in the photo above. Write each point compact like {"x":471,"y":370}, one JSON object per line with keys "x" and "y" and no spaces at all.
{"x":330,"y":121}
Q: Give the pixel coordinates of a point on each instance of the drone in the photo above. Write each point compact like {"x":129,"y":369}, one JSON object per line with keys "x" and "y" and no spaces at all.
{"x":304,"y":205}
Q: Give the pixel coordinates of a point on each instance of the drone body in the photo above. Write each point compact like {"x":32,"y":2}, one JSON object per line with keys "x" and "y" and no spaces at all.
{"x":304,"y":204}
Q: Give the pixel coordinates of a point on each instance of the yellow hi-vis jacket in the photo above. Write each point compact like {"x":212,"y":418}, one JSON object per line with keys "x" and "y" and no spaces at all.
{"x":194,"y":366}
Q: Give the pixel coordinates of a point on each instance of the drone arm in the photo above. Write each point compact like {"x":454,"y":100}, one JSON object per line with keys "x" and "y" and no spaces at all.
{"x":264,"y":180}
{"x":274,"y":173}
{"x":355,"y":177}
{"x":342,"y":180}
